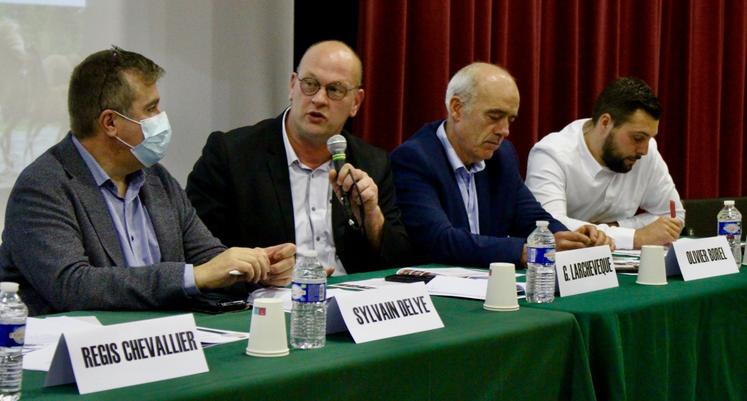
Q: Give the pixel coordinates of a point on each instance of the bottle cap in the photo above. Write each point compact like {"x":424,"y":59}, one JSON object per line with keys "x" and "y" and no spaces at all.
{"x":9,"y":286}
{"x":307,"y":253}
{"x":728,"y":203}
{"x":542,"y":223}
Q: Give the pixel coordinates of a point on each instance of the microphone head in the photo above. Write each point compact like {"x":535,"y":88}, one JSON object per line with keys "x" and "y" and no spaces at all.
{"x":337,"y":144}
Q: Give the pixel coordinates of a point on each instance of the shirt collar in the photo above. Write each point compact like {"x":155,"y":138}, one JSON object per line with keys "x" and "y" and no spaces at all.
{"x":587,"y":159}
{"x":451,"y":156}
{"x":100,"y":176}
{"x":289,"y":152}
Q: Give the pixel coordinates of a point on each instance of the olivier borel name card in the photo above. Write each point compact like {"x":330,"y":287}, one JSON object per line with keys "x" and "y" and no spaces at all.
{"x":388,"y":312}
{"x":705,"y":257}
{"x":585,"y":270}
{"x":126,"y":354}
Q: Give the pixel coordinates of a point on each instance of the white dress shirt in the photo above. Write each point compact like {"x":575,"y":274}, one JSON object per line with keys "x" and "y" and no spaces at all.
{"x":312,"y":207}
{"x":465,"y":178}
{"x":573,"y":187}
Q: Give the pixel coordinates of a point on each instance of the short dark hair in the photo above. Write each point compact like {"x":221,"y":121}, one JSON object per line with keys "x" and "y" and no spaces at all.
{"x":623,"y":97}
{"x":98,"y":83}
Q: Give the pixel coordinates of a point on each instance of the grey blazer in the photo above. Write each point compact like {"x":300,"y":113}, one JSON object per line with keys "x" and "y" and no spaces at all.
{"x":60,"y":244}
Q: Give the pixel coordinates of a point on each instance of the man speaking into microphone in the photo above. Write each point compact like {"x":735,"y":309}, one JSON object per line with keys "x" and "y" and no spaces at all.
{"x":277,"y":180}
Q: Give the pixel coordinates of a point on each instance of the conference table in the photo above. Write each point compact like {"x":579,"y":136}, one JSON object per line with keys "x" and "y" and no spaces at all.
{"x":682,"y":341}
{"x":530,"y":354}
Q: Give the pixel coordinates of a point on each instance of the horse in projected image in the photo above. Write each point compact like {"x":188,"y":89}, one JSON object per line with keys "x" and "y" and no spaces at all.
{"x":32,"y":101}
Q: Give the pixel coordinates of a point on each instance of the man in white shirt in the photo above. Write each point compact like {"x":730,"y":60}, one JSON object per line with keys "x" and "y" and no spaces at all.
{"x":606,"y":169}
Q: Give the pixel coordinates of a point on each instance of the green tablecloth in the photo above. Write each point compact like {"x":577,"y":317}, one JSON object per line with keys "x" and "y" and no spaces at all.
{"x":530,"y":354}
{"x":682,"y":341}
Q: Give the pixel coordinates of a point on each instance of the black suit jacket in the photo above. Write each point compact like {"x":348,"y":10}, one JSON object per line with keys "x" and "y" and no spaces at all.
{"x":240,"y":187}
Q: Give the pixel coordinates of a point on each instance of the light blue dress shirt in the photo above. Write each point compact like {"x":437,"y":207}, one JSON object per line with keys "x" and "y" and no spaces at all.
{"x":465,"y":177}
{"x":137,"y":238}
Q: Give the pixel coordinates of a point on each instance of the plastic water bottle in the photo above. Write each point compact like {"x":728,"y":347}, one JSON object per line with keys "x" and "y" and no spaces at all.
{"x":730,"y":224}
{"x":541,"y":265}
{"x":13,"y":314}
{"x":309,"y":293}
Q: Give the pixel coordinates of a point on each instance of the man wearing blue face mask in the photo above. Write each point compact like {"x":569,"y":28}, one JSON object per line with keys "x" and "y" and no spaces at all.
{"x":96,"y":223}
{"x":156,"y":138}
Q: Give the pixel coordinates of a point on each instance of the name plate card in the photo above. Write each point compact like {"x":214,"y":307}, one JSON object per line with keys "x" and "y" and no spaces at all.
{"x":388,"y":312}
{"x":585,"y":270}
{"x":705,"y":257}
{"x":120,"y":355}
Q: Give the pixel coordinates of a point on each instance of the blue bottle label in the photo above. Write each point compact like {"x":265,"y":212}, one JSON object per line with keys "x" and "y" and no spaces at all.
{"x":306,"y":293}
{"x":731,"y":229}
{"x":11,"y":335}
{"x":541,"y":256}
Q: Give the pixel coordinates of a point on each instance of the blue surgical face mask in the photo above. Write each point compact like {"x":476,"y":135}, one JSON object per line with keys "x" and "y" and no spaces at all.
{"x":156,"y":138}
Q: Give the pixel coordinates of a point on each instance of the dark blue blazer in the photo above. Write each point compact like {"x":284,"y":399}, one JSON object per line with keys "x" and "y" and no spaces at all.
{"x":434,"y":213}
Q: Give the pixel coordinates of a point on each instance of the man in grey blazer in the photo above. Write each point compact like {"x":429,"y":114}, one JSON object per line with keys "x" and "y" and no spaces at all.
{"x":96,"y":223}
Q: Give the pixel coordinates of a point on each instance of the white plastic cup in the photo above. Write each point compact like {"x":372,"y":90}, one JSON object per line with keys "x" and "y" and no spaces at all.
{"x":267,"y":335}
{"x":501,"y":292}
{"x":652,"y":270}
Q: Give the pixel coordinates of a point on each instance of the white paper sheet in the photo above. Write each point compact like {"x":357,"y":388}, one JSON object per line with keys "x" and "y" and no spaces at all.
{"x":464,"y":287}
{"x":42,"y":335}
{"x":458,"y":287}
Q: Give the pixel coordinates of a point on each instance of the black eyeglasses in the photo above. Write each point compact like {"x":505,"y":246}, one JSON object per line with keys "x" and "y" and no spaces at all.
{"x":335,"y":90}
{"x":113,"y":62}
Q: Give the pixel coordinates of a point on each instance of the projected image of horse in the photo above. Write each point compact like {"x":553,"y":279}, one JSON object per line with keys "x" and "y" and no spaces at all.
{"x":33,"y":112}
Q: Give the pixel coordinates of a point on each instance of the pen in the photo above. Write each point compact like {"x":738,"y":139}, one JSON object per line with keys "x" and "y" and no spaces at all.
{"x":355,"y":286}
{"x":672,"y":212}
{"x":209,"y":330}
{"x":222,"y":332}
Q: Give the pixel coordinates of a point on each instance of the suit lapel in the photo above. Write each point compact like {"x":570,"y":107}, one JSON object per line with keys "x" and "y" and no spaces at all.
{"x":482,"y":183}
{"x":447,"y":176}
{"x":277,"y":168}
{"x":92,"y":200}
{"x":165,"y":222}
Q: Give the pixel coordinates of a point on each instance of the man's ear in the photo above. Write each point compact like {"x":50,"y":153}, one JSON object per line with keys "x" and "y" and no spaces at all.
{"x":293,"y":80}
{"x":360,"y":94}
{"x":456,"y":108}
{"x":606,"y":123}
{"x":106,"y":122}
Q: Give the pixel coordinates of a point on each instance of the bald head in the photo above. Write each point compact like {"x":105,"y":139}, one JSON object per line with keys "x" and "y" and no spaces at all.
{"x":334,"y":52}
{"x":475,"y":78}
{"x":324,"y":92}
{"x":482,"y":101}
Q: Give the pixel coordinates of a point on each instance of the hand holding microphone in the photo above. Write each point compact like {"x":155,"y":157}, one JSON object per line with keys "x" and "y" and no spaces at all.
{"x":355,"y":189}
{"x":336,"y":146}
{"x":362,"y":202}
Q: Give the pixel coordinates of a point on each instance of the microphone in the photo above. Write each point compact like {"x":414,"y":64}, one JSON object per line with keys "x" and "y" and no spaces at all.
{"x":336,"y":145}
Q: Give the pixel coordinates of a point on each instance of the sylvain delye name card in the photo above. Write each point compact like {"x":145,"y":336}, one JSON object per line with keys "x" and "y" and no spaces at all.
{"x":387,"y":312}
